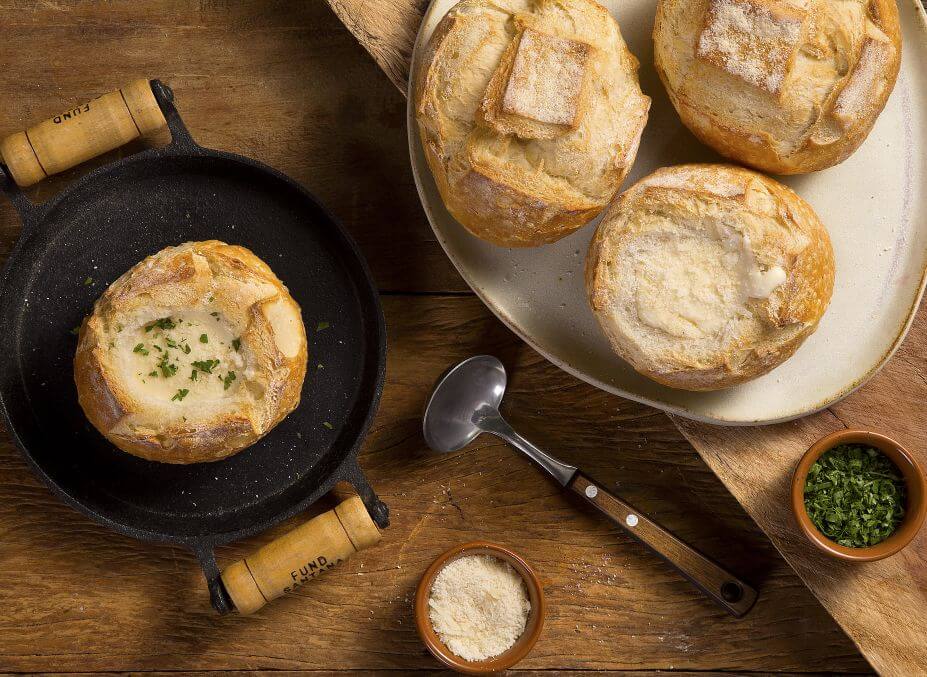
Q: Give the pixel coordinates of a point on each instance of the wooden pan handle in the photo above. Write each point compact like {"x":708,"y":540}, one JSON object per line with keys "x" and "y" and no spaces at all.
{"x":81,"y":133}
{"x":721,"y":585}
{"x":299,"y":556}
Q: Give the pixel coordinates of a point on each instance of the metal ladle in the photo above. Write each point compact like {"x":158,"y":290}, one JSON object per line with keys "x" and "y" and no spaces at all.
{"x":465,"y":403}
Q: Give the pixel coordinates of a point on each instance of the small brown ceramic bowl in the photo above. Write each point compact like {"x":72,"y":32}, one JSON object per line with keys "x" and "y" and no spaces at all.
{"x":915,"y":483}
{"x":522,"y":645}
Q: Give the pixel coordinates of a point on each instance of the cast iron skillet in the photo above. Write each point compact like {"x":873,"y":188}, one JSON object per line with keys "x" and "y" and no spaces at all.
{"x":104,"y":224}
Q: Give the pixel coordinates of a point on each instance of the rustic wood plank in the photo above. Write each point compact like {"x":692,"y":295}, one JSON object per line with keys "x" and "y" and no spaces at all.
{"x":424,"y":673}
{"x":873,"y":603}
{"x":77,"y":596}
{"x":387,"y":29}
{"x":246,"y":77}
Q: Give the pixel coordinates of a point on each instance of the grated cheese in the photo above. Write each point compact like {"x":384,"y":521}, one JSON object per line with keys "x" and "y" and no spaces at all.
{"x":478,"y":606}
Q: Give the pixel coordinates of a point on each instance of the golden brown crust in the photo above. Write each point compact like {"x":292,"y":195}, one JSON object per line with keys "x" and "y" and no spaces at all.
{"x":192,"y":355}
{"x":798,"y":91}
{"x":808,"y":291}
{"x":709,"y":220}
{"x":529,"y":122}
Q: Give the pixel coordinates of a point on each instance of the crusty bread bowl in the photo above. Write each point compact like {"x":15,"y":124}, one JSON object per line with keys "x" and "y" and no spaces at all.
{"x":706,"y":276}
{"x":530,"y":115}
{"x":786,"y":86}
{"x":192,"y":355}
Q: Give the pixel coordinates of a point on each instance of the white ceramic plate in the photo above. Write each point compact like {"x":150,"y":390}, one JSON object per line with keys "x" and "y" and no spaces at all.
{"x":874,"y":205}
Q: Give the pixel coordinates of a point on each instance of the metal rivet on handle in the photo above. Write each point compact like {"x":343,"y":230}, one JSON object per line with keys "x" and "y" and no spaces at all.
{"x":732,"y":592}
{"x":592,"y":491}
{"x":631,"y":520}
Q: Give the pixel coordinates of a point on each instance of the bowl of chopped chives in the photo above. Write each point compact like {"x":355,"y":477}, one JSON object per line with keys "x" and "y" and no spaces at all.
{"x":858,"y":495}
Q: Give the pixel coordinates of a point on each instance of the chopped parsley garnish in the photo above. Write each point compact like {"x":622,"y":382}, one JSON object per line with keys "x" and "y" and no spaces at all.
{"x":140,"y":348}
{"x":181,"y":393}
{"x":236,"y":344}
{"x":167,"y":369}
{"x":163,"y":323}
{"x":185,"y":348}
{"x":153,"y":373}
{"x":171,"y":343}
{"x":88,"y":282}
{"x":322,"y":325}
{"x":227,"y":381}
{"x":855,"y":495}
{"x":211,"y":298}
{"x":320,"y":366}
{"x":76,"y":330}
{"x":157,"y":347}
{"x":328,"y":425}
{"x":193,"y":375}
{"x":215,"y":315}
{"x":204,"y":338}
{"x":206,"y":365}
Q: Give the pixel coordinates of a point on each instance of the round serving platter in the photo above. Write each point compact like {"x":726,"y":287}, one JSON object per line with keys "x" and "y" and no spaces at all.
{"x":874,"y":205}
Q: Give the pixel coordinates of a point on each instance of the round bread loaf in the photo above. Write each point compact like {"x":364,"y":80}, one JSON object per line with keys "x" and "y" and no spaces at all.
{"x":787,"y":86}
{"x":705,"y":276}
{"x":530,"y":115}
{"x":192,"y":355}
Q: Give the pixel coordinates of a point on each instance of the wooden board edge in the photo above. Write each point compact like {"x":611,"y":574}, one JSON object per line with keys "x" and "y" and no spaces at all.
{"x":688,"y":427}
{"x":391,"y":48}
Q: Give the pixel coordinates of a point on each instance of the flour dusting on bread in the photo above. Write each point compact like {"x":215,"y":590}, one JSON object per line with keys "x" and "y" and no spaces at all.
{"x":546,"y":78}
{"x":751,"y":39}
{"x":864,"y":86}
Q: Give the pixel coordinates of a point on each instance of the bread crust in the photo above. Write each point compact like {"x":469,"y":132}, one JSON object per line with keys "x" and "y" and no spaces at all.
{"x":779,"y":228}
{"x":829,"y":74}
{"x":529,"y":121}
{"x":156,"y":332}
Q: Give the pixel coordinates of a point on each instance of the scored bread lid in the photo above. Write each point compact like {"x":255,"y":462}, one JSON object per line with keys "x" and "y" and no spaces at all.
{"x":705,"y":276}
{"x":530,"y":115}
{"x":788,"y":86}
{"x":191,"y":355}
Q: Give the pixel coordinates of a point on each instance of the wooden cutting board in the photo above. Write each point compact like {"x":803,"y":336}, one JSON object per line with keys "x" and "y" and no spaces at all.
{"x":882,"y":605}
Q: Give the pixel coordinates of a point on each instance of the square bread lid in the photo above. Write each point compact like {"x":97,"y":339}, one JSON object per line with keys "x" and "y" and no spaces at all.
{"x":752,"y":39}
{"x":537,"y":89}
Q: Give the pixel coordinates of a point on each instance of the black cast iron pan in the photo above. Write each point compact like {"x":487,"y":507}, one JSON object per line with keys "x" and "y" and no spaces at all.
{"x":101,"y":226}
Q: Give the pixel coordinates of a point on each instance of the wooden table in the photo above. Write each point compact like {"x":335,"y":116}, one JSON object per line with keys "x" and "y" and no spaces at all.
{"x":287,"y":84}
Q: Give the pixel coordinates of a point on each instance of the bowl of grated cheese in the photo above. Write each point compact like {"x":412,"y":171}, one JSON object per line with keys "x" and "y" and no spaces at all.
{"x":479,"y":608}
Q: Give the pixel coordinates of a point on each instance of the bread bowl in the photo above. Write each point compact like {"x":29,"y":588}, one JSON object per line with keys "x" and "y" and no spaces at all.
{"x":706,"y":276}
{"x":192,"y":355}
{"x":786,"y":86}
{"x":530,"y":115}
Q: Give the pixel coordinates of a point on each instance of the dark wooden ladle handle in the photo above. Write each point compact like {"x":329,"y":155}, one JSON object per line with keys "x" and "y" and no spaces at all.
{"x":723,"y":587}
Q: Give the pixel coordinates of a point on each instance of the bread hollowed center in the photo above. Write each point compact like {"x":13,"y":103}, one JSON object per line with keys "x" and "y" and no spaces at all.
{"x":694,"y":284}
{"x":184,"y":359}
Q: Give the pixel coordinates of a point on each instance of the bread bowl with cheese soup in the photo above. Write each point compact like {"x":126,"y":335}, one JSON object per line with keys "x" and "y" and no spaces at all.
{"x":192,"y":355}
